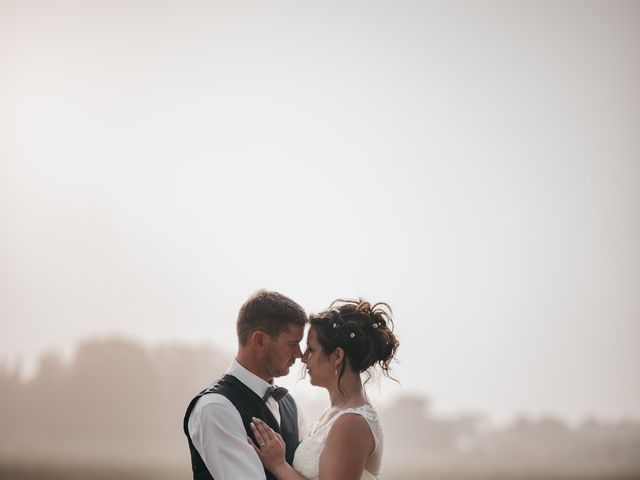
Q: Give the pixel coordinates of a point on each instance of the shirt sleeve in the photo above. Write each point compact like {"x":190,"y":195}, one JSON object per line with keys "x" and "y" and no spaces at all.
{"x":219,"y":436}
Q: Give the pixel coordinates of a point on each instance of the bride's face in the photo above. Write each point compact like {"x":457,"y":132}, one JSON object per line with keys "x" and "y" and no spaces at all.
{"x":319,"y":366}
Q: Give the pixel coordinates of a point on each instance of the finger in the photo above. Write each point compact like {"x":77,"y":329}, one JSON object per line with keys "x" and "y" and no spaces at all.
{"x":259,"y":438}
{"x":264,"y":429}
{"x":252,"y":443}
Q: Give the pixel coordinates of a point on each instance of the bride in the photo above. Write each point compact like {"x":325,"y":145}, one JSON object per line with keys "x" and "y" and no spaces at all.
{"x":343,"y":341}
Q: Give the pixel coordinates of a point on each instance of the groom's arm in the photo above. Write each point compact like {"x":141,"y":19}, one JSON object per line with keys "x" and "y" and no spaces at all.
{"x":218,"y":434}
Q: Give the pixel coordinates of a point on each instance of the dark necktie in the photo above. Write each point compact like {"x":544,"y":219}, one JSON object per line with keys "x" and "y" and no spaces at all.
{"x":276,"y":392}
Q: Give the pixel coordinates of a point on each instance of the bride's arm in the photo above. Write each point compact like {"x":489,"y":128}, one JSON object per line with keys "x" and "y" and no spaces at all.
{"x":349,"y":444}
{"x":271,"y":450}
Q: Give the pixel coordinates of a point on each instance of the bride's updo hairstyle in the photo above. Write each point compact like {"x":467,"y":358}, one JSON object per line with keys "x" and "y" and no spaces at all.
{"x":362,"y":330}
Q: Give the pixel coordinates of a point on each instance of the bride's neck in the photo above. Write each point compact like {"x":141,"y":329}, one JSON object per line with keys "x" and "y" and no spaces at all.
{"x":349,"y":390}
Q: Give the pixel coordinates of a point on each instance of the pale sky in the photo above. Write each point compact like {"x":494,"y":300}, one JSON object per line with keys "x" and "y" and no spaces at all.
{"x":474,"y":164}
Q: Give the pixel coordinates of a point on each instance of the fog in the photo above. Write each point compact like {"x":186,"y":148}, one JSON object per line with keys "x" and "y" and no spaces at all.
{"x":475,"y":164}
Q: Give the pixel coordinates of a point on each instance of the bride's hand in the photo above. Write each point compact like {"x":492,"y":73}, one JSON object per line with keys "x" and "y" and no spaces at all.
{"x":270,"y":448}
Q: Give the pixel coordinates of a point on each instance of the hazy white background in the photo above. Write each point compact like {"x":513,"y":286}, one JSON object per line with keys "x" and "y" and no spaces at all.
{"x":474,"y":164}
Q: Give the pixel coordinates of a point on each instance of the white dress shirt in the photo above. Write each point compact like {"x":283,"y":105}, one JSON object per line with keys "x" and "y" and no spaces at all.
{"x":217,"y":432}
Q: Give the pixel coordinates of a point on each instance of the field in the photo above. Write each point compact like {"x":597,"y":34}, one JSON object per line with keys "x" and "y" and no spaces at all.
{"x":21,"y":472}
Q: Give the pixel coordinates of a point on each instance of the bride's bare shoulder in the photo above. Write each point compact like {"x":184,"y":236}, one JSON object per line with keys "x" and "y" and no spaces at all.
{"x":351,"y":428}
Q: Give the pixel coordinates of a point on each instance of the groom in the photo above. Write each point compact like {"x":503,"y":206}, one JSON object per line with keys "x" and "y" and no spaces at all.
{"x":270,"y":327}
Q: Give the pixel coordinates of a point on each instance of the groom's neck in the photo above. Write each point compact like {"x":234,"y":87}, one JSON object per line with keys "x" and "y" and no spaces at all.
{"x":251,"y":363}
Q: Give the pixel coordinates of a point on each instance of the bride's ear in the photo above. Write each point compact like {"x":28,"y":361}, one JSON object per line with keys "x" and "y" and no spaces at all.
{"x":339,"y":354}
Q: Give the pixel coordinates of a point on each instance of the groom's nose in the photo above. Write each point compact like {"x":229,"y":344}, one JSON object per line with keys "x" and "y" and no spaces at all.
{"x":298,"y":352}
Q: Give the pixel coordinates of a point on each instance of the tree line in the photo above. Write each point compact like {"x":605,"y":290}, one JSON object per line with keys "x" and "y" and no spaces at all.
{"x":118,"y":402}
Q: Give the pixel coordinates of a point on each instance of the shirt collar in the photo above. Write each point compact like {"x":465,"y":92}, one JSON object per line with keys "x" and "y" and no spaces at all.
{"x":251,"y":380}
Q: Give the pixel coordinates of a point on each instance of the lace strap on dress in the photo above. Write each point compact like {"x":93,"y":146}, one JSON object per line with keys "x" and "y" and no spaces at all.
{"x":365,"y":410}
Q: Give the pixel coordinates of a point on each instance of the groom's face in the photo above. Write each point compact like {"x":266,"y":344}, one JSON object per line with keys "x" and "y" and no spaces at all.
{"x":283,"y":351}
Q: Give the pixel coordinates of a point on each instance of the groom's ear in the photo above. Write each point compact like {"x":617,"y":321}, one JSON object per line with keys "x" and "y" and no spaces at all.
{"x":257,"y":338}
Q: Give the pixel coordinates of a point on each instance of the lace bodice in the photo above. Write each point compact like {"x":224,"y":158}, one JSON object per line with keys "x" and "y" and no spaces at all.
{"x":307,"y":458}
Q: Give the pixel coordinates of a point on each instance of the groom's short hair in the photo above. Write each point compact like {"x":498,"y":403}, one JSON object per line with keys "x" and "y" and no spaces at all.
{"x":270,"y":312}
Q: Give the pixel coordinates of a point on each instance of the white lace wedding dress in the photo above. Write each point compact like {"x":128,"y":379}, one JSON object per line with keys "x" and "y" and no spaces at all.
{"x":307,"y":458}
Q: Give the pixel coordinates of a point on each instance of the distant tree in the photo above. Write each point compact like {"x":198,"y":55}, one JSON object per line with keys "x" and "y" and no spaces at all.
{"x":114,"y":400}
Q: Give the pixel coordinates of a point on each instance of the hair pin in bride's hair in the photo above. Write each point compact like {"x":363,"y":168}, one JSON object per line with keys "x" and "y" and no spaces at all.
{"x":352,"y":335}
{"x":335,"y":325}
{"x":375,"y":325}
